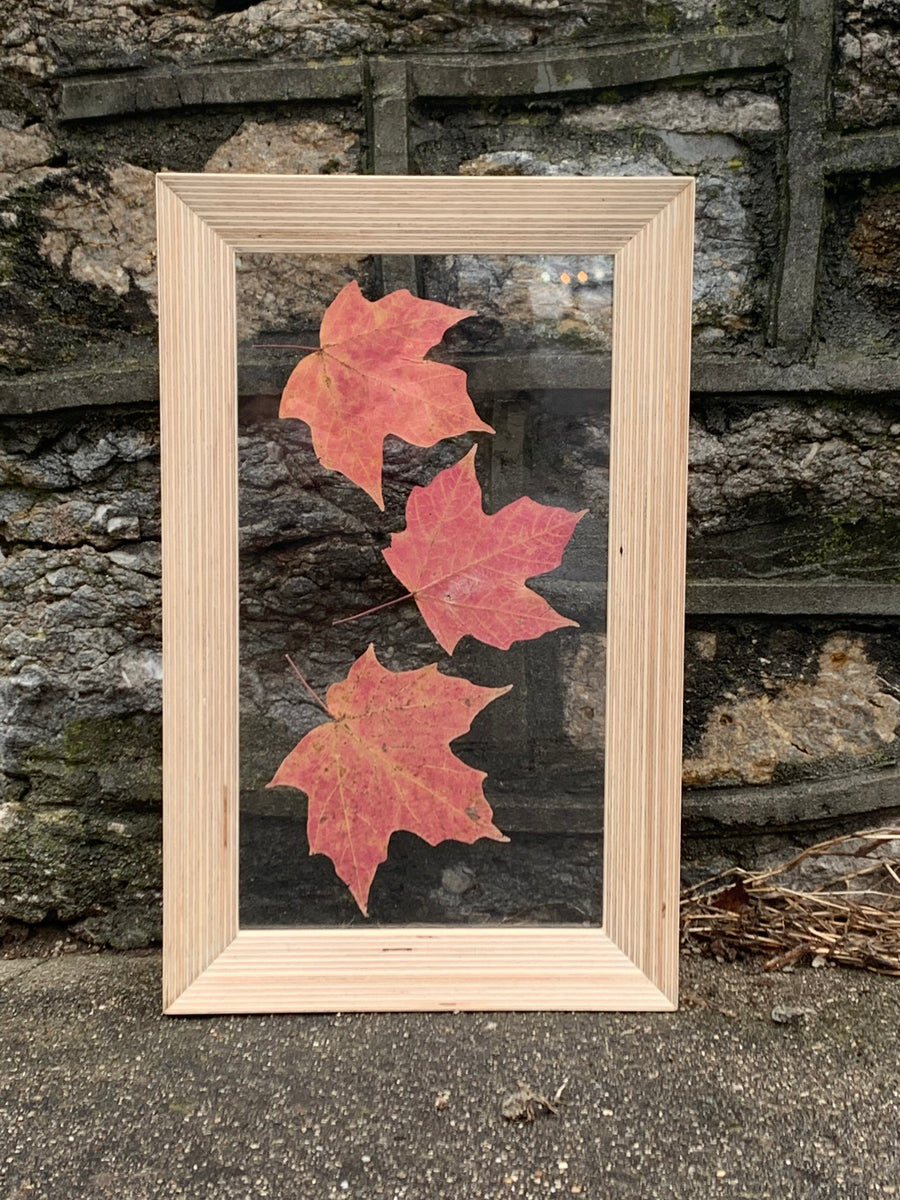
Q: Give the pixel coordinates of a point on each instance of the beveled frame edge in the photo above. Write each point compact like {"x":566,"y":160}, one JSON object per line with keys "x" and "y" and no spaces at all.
{"x":209,"y":965}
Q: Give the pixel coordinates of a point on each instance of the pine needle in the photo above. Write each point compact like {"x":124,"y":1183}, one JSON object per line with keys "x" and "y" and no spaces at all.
{"x":853,"y":919}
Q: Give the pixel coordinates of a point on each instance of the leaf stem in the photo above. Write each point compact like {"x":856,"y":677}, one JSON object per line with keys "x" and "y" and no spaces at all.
{"x":318,"y":699}
{"x":377,"y":608}
{"x":282,"y":346}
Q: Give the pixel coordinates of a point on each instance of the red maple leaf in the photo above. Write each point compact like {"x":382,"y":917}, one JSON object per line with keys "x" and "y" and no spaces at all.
{"x":369,"y":379}
{"x":467,"y":570}
{"x":384,"y":763}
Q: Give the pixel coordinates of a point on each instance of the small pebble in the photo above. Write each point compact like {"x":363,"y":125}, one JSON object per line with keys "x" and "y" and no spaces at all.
{"x":784,"y":1014}
{"x":457,"y":880}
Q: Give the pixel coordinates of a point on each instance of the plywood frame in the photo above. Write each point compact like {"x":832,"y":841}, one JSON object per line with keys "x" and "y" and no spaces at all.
{"x":210,"y":965}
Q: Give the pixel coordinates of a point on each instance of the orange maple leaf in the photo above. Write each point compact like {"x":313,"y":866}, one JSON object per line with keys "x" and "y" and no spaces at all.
{"x":384,"y":763}
{"x":466,"y":569}
{"x":369,"y":379}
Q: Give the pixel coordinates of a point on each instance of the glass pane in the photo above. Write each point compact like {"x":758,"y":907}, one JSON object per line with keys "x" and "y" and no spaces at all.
{"x":311,"y":546}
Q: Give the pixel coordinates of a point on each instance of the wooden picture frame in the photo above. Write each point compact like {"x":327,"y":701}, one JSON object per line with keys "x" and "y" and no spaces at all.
{"x":210,"y":965}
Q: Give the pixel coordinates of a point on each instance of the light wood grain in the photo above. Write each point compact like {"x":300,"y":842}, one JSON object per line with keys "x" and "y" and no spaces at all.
{"x":198,"y":385}
{"x":645,"y":607}
{"x":373,"y":215}
{"x":211,"y":966}
{"x":371,"y":970}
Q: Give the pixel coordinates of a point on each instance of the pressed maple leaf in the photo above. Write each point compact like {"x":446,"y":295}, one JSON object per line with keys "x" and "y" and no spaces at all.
{"x":369,"y":379}
{"x":466,"y":569}
{"x":384,"y":763}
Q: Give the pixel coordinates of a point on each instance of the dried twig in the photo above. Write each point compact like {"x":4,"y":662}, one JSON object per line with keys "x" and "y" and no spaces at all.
{"x":855,"y":926}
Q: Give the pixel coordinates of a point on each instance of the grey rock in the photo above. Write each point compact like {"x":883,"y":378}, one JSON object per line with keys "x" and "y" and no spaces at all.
{"x":845,"y":711}
{"x":181,"y":30}
{"x":799,"y":489}
{"x":105,"y":235}
{"x":756,"y":712}
{"x":108,"y":35}
{"x":80,"y":671}
{"x":584,"y":675}
{"x":78,"y":243}
{"x":556,"y":299}
{"x":791,"y":1014}
{"x":868,"y":62}
{"x":23,"y":148}
{"x":683,"y":110}
{"x":457,"y":880}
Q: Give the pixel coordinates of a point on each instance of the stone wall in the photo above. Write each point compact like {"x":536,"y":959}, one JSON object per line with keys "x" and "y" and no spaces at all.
{"x":787,"y":114}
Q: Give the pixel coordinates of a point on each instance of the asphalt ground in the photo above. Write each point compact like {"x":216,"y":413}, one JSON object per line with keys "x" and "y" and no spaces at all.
{"x":101,"y":1096}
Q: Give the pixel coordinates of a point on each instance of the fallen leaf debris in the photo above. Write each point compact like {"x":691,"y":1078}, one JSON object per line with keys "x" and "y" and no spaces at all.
{"x":524,"y":1103}
{"x":852,"y":919}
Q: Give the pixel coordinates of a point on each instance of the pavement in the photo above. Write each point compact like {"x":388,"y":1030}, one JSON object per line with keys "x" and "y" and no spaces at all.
{"x":763,"y":1085}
